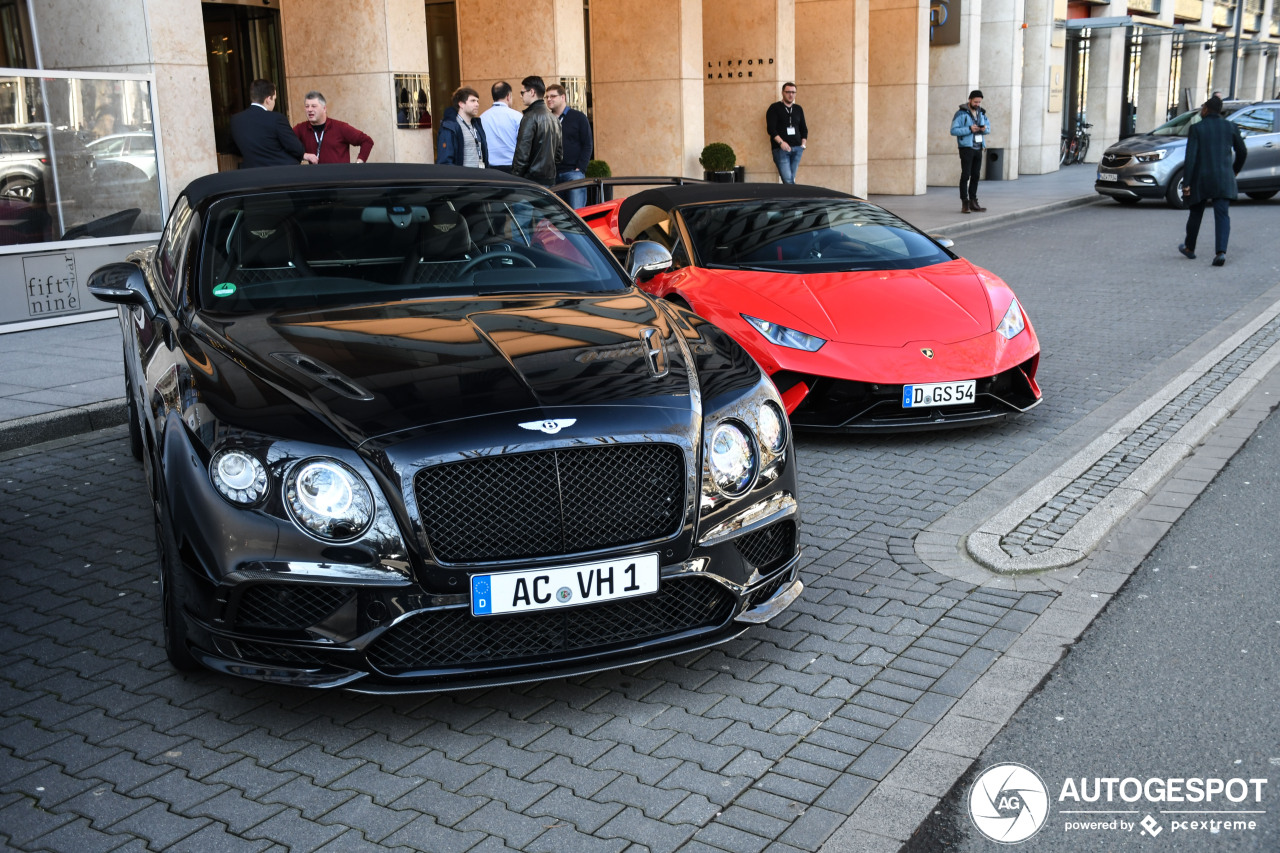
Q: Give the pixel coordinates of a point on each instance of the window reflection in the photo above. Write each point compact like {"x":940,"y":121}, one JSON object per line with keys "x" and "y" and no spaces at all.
{"x":77,"y":159}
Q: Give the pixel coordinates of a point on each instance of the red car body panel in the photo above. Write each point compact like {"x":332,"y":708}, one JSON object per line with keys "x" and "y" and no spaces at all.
{"x":935,"y":323}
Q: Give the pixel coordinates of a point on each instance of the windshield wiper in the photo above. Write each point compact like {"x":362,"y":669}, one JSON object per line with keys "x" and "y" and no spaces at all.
{"x":744,"y":267}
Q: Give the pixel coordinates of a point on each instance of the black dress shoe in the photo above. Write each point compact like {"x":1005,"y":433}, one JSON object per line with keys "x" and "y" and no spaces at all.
{"x":1186,"y":253}
{"x":1219,"y":259}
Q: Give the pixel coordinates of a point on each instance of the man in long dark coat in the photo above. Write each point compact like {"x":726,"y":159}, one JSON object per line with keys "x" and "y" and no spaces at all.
{"x":1209,"y":176}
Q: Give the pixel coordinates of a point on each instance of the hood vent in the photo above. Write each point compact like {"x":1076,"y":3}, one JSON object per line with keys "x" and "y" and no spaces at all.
{"x":323,"y":374}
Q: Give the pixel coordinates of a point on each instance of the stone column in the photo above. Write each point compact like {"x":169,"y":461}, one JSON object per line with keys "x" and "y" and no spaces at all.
{"x":749,"y":51}
{"x":832,"y":74}
{"x":161,"y":37}
{"x":1152,"y":97}
{"x":648,"y":80}
{"x":1105,"y":98}
{"x":355,"y":72}
{"x":954,"y":71}
{"x":1221,"y":81}
{"x":1195,"y":72}
{"x":1249,"y":77}
{"x":898,"y":97}
{"x":1043,"y":72}
{"x":1000,"y":70}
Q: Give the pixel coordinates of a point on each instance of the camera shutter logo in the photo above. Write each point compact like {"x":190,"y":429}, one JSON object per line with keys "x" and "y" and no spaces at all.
{"x":1008,"y":803}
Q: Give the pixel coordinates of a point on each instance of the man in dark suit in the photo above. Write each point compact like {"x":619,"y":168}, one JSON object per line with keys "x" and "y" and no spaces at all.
{"x":262,"y":135}
{"x":1215,"y":155}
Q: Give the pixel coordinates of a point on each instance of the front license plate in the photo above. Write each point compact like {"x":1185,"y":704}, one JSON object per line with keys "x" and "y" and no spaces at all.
{"x":938,"y":394}
{"x":563,"y":586}
{"x":1108,"y":176}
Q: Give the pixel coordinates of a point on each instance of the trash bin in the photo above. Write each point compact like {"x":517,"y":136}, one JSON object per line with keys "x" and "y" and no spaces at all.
{"x":995,"y":164}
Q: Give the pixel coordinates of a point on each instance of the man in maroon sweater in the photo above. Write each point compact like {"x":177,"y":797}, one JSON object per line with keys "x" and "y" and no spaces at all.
{"x":327,"y":140}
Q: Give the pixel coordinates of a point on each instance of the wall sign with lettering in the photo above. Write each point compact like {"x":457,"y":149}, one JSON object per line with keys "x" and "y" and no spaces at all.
{"x":737,"y":69}
{"x":51,"y":284}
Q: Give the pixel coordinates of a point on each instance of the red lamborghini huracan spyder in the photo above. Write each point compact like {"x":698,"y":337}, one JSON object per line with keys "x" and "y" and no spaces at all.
{"x":862,"y":321}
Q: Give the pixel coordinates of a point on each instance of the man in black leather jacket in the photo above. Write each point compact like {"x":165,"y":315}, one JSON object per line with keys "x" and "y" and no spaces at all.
{"x":539,"y":145}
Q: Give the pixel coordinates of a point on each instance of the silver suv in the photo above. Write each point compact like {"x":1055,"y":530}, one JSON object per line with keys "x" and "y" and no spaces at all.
{"x":1149,"y":165}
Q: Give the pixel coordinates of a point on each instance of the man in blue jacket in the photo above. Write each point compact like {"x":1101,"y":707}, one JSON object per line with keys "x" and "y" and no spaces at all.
{"x":1209,"y":176}
{"x":461,"y":141}
{"x":970,"y":126}
{"x":576,"y":132}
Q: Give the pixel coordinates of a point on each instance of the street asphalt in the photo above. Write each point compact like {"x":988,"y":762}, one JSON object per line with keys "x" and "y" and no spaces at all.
{"x":838,"y":727}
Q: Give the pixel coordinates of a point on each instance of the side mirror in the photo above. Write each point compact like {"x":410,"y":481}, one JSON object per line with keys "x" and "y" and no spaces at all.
{"x":121,"y":283}
{"x":646,"y":259}
{"x":944,"y":242}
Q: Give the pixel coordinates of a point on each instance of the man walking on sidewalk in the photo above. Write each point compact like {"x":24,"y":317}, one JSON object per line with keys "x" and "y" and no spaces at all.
{"x":1209,"y":176}
{"x":970,"y":127}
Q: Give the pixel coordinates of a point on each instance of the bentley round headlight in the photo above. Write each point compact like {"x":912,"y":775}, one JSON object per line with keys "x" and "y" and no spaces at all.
{"x":327,"y":499}
{"x":733,"y":459}
{"x":772,"y":427}
{"x":238,"y":476}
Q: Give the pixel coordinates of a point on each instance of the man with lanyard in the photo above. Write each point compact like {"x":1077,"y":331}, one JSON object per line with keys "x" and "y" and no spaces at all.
{"x":788,"y":133}
{"x":501,"y":123}
{"x":462,"y":141}
{"x":575,"y":130}
{"x":328,"y":140}
{"x":970,"y":127}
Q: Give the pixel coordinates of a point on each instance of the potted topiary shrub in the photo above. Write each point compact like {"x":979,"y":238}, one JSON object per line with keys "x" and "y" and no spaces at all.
{"x":599,"y":193}
{"x":717,"y":162}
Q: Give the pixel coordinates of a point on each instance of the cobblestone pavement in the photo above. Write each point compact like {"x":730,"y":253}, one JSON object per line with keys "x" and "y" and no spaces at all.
{"x":770,"y":742}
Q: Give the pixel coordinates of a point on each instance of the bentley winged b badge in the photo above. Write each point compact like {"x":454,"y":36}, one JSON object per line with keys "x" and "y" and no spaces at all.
{"x":551,"y":426}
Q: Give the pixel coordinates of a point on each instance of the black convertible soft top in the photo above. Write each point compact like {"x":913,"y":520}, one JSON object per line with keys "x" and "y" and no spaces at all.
{"x":356,"y":174}
{"x":666,"y":198}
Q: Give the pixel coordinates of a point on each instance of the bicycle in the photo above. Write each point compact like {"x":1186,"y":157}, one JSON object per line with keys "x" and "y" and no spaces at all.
{"x":1075,"y":145}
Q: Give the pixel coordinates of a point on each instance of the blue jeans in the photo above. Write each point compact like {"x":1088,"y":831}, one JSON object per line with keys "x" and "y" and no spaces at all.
{"x":788,"y":163}
{"x":574,"y":198}
{"x":1221,"y":223}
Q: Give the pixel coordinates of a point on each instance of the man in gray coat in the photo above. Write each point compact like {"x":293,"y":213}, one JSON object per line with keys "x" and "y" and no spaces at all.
{"x":1209,"y":176}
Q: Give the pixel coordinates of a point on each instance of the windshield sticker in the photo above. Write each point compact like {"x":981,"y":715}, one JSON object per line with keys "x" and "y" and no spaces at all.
{"x":224,"y":289}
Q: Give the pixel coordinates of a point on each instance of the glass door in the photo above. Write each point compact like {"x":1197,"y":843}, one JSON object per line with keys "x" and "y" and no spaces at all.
{"x":243,"y":44}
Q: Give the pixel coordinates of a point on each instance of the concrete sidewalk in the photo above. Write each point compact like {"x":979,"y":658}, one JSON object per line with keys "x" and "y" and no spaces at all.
{"x":67,"y":380}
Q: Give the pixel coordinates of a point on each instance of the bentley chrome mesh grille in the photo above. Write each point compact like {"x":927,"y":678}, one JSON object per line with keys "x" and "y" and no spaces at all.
{"x":551,"y":502}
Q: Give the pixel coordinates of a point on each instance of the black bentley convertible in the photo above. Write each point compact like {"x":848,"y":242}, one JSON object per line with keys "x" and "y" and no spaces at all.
{"x":405,"y":429}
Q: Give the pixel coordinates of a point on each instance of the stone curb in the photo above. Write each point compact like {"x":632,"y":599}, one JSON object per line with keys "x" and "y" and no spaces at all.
{"x":883,"y":822}
{"x":63,"y":423}
{"x":984,"y":544}
{"x":973,"y":226}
